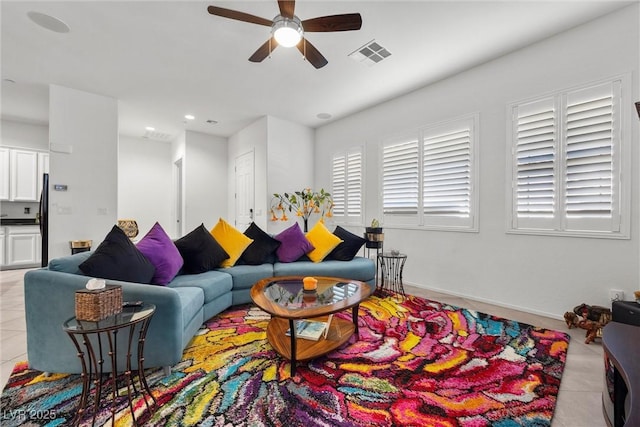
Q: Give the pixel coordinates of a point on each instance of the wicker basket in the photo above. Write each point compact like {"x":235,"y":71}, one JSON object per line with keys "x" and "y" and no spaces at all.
{"x":98,"y":304}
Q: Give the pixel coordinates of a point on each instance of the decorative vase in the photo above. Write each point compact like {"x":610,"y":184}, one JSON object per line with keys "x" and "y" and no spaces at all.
{"x":305,"y":222}
{"x":129,"y":226}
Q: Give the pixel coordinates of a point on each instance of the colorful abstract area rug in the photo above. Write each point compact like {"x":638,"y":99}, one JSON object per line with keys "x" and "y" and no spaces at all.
{"x":416,"y":363}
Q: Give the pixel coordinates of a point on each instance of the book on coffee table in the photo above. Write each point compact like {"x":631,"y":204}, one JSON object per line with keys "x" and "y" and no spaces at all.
{"x":311,"y":329}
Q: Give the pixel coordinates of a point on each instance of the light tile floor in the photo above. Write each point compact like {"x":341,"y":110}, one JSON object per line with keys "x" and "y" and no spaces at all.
{"x":579,"y":401}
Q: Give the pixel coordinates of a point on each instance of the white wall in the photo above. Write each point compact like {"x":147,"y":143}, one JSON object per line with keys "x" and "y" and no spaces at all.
{"x":145,"y":186}
{"x":290,"y":163}
{"x":24,"y":135}
{"x":546,"y":275}
{"x":87,"y":124}
{"x":253,"y":138}
{"x":205,"y":183}
{"x":283,"y":153}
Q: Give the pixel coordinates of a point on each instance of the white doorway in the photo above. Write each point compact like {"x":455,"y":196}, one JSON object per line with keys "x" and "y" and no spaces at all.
{"x":177,"y":174}
{"x":245,"y":207}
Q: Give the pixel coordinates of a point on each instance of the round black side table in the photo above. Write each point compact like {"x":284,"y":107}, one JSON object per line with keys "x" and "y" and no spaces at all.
{"x":391,"y":266}
{"x":105,"y":334}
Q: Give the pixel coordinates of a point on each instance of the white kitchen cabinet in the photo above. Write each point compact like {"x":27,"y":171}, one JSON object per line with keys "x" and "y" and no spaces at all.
{"x":5,"y":173}
{"x":24,"y":172}
{"x":23,"y":246}
{"x":21,"y":174}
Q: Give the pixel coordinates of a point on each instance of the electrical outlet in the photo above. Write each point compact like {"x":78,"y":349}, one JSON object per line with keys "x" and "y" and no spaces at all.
{"x":616,"y":295}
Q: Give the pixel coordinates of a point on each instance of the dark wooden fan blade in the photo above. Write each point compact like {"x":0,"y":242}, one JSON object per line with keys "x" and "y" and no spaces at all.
{"x":238,"y":16}
{"x":312,"y":54}
{"x":287,"y":7}
{"x":264,"y":50}
{"x":346,"y":22}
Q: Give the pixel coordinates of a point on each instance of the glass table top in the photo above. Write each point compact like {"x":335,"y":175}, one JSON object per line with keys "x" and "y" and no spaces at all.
{"x":290,"y":293}
{"x":128,"y":316}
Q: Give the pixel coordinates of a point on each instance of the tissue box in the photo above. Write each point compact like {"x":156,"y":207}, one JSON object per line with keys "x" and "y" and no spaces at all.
{"x":94,"y":305}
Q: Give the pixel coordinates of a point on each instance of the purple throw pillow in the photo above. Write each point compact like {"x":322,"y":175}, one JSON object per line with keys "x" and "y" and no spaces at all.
{"x":294,"y":244}
{"x":160,"y":250}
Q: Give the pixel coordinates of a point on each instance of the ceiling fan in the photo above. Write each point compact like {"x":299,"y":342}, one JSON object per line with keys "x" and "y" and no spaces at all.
{"x":288,"y":30}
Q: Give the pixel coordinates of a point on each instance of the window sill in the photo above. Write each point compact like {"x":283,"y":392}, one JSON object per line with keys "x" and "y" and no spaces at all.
{"x":580,"y":234}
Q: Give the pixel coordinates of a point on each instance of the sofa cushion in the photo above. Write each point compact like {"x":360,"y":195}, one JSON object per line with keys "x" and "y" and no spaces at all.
{"x":349,"y":247}
{"x":232,"y":241}
{"x":213,"y":283}
{"x":200,"y":251}
{"x":160,"y":250}
{"x":70,"y":263}
{"x":245,"y":276}
{"x":262,"y":249}
{"x":191,"y":300}
{"x":117,"y":258}
{"x":358,"y":268}
{"x":323,"y":242}
{"x":293,"y":244}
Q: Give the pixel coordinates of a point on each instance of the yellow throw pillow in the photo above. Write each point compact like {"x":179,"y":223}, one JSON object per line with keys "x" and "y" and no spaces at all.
{"x":322,"y":240}
{"x":232,"y":241}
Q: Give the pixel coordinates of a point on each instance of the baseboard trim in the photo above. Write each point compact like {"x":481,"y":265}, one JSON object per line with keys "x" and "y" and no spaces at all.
{"x":488,"y":301}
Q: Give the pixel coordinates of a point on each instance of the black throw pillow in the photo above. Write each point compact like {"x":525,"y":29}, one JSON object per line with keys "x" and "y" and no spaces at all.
{"x":262,"y":249}
{"x":349,"y":247}
{"x":200,"y":251}
{"x":117,"y":258}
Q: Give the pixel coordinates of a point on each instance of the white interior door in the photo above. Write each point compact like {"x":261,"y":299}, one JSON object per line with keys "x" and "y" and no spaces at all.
{"x":245,"y":208}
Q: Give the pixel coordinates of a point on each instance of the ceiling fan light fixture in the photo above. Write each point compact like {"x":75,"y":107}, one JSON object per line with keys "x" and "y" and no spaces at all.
{"x":287,"y":32}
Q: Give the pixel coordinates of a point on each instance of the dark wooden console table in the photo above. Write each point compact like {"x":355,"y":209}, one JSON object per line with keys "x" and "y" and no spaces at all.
{"x":621,"y":344}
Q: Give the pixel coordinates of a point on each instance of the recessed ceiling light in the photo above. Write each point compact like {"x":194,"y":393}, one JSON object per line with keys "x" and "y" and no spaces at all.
{"x":189,"y":117}
{"x":324,"y":116}
{"x":49,"y":22}
{"x":150,"y":128}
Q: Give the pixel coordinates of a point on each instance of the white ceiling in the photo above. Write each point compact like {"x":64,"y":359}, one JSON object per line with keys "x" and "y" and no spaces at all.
{"x":165,"y":59}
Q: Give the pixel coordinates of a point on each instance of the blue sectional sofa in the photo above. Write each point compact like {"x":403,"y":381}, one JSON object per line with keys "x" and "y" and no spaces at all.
{"x":181,"y":307}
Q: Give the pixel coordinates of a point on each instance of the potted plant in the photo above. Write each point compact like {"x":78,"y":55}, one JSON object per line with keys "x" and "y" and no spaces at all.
{"x":303,"y":204}
{"x":374,"y":235}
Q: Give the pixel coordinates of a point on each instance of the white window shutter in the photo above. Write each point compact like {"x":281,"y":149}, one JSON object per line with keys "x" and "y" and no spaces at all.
{"x":535,"y":158}
{"x":400,"y":178}
{"x":589,"y":153}
{"x":354,"y":183}
{"x":338,"y":189}
{"x":447,"y":173}
{"x":592,"y":132}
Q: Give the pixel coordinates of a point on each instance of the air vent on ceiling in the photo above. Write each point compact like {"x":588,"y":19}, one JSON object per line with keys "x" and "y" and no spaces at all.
{"x":370,"y":54}
{"x":155,"y":135}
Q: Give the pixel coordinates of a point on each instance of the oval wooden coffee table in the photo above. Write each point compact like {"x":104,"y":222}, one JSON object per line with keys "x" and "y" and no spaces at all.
{"x":286,"y":301}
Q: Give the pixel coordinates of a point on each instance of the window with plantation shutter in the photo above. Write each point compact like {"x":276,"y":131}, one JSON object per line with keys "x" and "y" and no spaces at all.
{"x":567,"y":164}
{"x":429,"y":178}
{"x":346,"y":184}
{"x":400,"y":177}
